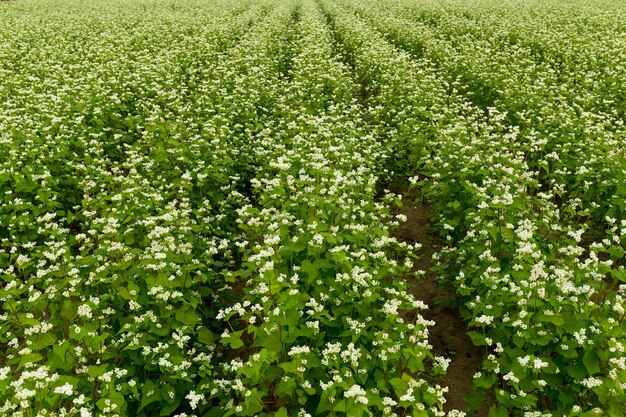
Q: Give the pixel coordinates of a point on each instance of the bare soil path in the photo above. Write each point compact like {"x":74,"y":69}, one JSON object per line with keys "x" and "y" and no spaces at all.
{"x":449,"y":334}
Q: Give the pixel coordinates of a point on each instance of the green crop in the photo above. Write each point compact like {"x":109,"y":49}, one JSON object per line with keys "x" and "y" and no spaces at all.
{"x":194,"y":218}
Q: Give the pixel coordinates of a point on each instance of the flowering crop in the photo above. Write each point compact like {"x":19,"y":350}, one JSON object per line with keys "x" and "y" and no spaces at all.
{"x":526,"y":168}
{"x":193,"y":218}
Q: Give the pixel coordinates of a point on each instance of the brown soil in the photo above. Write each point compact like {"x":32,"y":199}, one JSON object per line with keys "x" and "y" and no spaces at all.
{"x":449,"y":334}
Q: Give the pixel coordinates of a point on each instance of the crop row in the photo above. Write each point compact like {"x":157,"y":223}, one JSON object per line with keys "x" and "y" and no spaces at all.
{"x":532,"y":209}
{"x":192,"y":221}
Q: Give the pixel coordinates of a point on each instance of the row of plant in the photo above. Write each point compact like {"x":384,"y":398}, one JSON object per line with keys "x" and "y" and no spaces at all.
{"x":575,"y":40}
{"x":553,"y":109}
{"x":545,"y":299}
{"x":119,"y":184}
{"x":321,"y":328}
{"x":191,"y":223}
{"x":570,"y":141}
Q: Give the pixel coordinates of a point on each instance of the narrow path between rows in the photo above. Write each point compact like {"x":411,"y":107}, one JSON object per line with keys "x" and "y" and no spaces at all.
{"x":449,"y":334}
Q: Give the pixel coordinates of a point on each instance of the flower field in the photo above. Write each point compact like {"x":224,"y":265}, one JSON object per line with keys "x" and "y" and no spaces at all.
{"x":195,"y":215}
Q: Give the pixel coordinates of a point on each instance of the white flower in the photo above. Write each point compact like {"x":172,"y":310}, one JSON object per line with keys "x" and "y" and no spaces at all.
{"x":296,"y":350}
{"x":538,"y":364}
{"x":65,"y":389}
{"x":442,"y":362}
{"x":85,"y":311}
{"x":484,"y":319}
{"x":591,"y":382}
{"x":389,"y":401}
{"x":524,"y":361}
{"x":361,"y":399}
{"x":511,"y":377}
{"x":358,"y":392}
{"x":391,"y":307}
{"x":23,"y":393}
{"x":303,"y":413}
{"x":352,"y":354}
{"x":317,"y":240}
{"x":408,"y":396}
{"x":194,"y":399}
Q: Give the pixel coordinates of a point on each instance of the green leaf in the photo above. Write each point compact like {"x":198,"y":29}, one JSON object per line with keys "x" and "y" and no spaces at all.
{"x":286,"y":387}
{"x":123,"y":291}
{"x":169,"y":409}
{"x":299,"y":246}
{"x":206,"y":336}
{"x":454,"y":205}
{"x":498,"y":411}
{"x":290,"y":367}
{"x":187,"y":316}
{"x":554,"y":319}
{"x":45,"y":340}
{"x":57,"y":359}
{"x":486,"y":380}
{"x":569,"y":353}
{"x":149,"y":394}
{"x":341,"y":405}
{"x":95,"y":371}
{"x":30,"y":358}
{"x":415,"y":364}
{"x":233,"y":340}
{"x":282,"y":412}
{"x":590,"y":359}
{"x":310,"y":269}
{"x":616,"y":252}
{"x":478,"y":339}
{"x":474,"y":400}
{"x":236,"y":343}
{"x":380,"y":379}
{"x":508,"y":235}
{"x":571,"y":323}
{"x":566,"y":399}
{"x":111,"y":398}
{"x":68,"y":311}
{"x":399,"y":386}
{"x":577,"y":371}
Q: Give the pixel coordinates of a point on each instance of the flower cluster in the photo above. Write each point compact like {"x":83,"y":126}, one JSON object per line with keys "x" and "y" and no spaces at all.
{"x":192,"y":221}
{"x":517,"y":140}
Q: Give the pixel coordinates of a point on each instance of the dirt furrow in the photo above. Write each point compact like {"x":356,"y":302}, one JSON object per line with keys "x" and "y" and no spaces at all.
{"x":449,"y":334}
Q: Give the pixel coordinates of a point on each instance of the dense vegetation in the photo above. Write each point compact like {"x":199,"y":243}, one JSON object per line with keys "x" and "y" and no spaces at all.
{"x":194,"y":217}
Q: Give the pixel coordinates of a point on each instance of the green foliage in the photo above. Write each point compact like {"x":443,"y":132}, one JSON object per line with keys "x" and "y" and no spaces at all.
{"x":192,"y":220}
